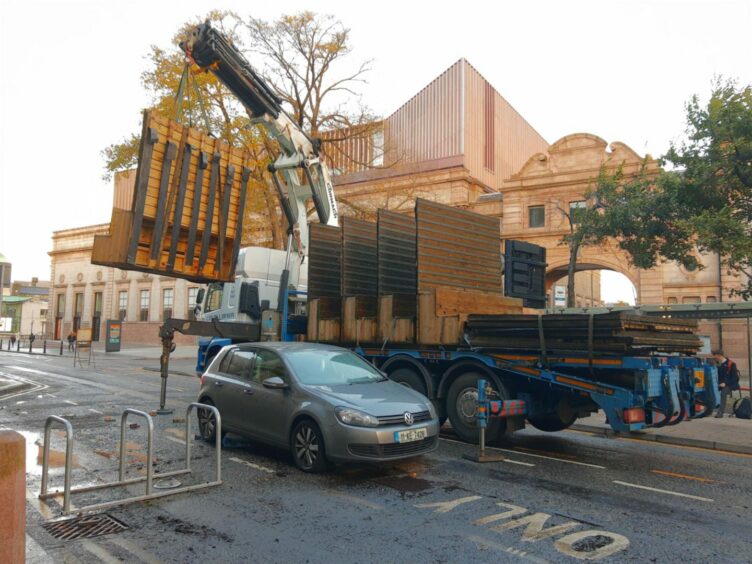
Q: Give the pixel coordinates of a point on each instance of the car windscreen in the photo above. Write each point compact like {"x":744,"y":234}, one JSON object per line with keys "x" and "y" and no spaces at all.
{"x":331,"y":368}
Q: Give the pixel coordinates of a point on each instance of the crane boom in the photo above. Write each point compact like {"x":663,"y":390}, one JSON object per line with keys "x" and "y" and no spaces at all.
{"x":304,"y":173}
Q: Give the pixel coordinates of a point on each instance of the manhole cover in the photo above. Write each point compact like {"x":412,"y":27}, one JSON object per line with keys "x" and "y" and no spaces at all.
{"x":84,"y":527}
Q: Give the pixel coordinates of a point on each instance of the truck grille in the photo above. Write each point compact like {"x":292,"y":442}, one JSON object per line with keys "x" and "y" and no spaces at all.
{"x":394,"y":449}
{"x":400,"y":419}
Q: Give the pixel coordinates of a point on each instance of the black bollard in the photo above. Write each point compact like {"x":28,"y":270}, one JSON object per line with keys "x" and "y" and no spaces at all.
{"x":44,"y":347}
{"x":1,"y":344}
{"x":61,"y":348}
{"x":30,"y":344}
{"x":18,"y":347}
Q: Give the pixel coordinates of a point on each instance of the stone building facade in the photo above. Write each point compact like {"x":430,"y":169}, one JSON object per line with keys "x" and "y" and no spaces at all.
{"x":86,"y":295}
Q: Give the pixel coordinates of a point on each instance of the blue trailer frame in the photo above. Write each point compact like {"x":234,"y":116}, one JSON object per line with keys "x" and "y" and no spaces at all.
{"x":667,"y":389}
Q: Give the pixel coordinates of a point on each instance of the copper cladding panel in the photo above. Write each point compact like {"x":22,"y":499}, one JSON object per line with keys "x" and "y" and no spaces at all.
{"x":396,"y":251}
{"x":359,"y":272}
{"x":324,"y":261}
{"x":457,"y":248}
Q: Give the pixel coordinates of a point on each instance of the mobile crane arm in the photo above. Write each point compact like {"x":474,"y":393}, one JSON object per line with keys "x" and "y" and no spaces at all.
{"x":211,"y":51}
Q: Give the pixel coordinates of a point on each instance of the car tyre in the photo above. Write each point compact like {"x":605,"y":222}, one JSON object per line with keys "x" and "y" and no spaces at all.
{"x":307,"y":447}
{"x":207,"y":422}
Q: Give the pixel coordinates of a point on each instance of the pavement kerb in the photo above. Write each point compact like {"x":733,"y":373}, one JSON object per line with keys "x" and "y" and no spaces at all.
{"x":666,"y":439}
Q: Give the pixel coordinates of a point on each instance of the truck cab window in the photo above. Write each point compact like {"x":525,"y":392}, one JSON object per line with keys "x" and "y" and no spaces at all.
{"x":214,"y":297}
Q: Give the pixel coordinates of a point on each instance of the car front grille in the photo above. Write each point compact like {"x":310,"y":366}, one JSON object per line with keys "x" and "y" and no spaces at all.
{"x":418,"y":417}
{"x":394,"y":449}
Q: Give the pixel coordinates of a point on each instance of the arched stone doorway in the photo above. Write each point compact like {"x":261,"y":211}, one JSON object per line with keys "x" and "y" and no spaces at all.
{"x":591,"y":290}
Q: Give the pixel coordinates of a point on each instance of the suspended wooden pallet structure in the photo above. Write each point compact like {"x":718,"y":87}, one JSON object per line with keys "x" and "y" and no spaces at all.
{"x":186,"y":216}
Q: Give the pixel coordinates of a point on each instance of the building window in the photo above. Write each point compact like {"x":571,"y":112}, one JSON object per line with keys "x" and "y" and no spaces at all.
{"x":711,"y":299}
{"x":691,"y":300}
{"x":168,"y":297}
{"x":672,"y":301}
{"x":144,"y":312}
{"x":536,"y":216}
{"x":78,"y":310}
{"x":122,"y":304}
{"x":575,"y":209}
{"x":192,"y":295}
{"x":60,"y":305}
{"x":96,"y":318}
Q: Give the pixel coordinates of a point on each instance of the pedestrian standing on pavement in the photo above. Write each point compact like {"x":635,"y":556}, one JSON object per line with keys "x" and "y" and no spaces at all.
{"x":71,"y":340}
{"x":728,"y":378}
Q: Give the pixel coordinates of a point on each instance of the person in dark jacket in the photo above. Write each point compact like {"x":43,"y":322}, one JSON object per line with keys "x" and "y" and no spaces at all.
{"x":728,"y":378}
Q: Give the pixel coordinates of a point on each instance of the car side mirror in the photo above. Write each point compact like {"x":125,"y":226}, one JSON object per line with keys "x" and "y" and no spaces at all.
{"x":275,"y":383}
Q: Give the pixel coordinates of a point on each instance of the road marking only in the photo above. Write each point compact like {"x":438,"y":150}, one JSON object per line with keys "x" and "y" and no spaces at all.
{"x":252,"y":465}
{"x":657,"y":490}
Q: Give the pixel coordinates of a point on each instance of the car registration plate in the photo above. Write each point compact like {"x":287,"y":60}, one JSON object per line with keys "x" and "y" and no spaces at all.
{"x":410,"y":435}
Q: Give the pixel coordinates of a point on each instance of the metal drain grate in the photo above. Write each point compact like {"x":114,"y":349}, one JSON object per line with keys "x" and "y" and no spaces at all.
{"x":85,"y":527}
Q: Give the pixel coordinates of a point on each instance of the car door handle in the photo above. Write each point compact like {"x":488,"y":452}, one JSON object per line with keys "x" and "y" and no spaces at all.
{"x":248,"y":391}
{"x":218,"y":384}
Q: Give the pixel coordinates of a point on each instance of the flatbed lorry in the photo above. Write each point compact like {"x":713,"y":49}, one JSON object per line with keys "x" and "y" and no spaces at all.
{"x":398,"y":293}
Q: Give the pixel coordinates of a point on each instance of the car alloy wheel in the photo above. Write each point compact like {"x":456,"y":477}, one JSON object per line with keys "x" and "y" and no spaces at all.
{"x":207,"y":424}
{"x":308,"y":447}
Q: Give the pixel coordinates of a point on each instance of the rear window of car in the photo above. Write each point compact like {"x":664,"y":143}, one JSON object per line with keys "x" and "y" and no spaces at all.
{"x":331,"y":368}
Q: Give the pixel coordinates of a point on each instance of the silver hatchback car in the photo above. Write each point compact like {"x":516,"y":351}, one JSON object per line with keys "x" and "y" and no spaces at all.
{"x":323,"y":403}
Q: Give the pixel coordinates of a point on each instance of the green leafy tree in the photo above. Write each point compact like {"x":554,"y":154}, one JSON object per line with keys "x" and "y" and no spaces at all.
{"x":704,"y":203}
{"x":712,"y":185}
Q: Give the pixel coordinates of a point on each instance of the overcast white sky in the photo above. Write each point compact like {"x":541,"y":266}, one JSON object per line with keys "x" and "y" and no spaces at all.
{"x":69,"y":80}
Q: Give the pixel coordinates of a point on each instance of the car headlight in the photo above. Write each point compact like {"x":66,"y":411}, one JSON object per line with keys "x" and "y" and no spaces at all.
{"x":350,"y":416}
{"x":431,"y":410}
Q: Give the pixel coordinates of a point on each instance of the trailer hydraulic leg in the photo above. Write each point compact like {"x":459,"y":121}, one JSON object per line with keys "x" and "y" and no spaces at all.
{"x":167,"y":334}
{"x":483,"y":408}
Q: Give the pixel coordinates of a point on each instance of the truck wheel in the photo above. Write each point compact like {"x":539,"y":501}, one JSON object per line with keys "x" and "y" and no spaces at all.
{"x":462,"y":406}
{"x":410,"y":379}
{"x":551,"y":423}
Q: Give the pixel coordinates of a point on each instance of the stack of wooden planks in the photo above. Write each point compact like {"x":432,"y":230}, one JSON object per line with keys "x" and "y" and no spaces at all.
{"x":609,"y":333}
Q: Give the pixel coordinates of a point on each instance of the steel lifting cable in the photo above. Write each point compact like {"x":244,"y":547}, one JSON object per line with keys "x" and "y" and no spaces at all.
{"x":180,"y":94}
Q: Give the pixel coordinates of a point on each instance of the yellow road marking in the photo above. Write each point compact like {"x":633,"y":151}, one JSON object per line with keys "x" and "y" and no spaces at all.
{"x":685,"y":476}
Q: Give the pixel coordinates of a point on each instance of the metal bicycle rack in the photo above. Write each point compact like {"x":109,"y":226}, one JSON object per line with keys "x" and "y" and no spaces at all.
{"x":122,"y":481}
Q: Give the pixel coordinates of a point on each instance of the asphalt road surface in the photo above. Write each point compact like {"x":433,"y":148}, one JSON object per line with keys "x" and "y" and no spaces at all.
{"x":556,"y":497}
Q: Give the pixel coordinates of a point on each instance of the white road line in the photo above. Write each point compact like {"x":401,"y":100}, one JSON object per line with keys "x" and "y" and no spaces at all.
{"x":135,"y":550}
{"x":518,"y":462}
{"x":480,"y":541}
{"x":70,"y":402}
{"x":96,"y":411}
{"x":174,"y":440}
{"x":669,"y":492}
{"x":252,"y":465}
{"x":100,"y":553}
